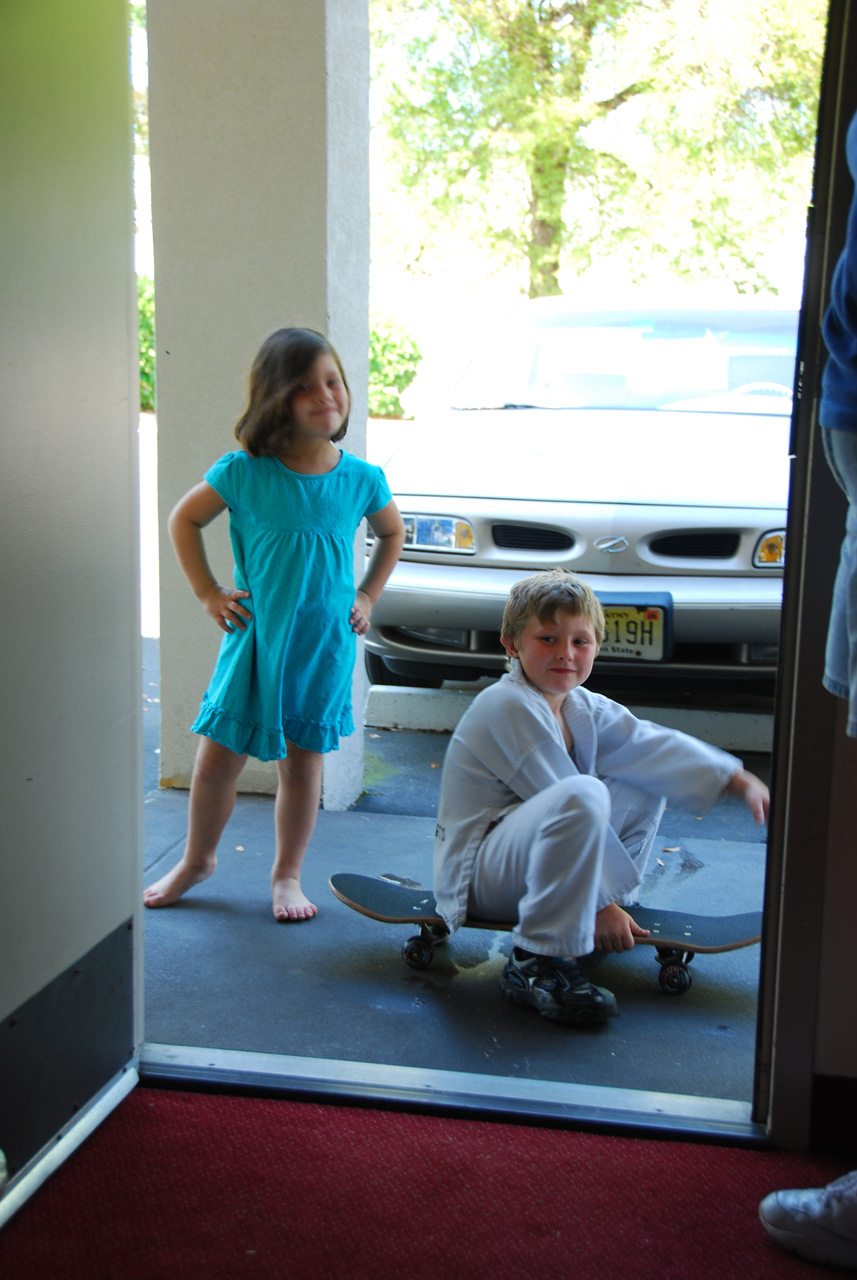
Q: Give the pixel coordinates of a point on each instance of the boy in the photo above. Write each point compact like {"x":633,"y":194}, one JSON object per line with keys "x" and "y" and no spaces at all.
{"x":551,"y":799}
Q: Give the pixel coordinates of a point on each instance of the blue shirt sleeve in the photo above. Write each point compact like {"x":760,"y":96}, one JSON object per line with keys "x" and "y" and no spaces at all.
{"x":224,"y":477}
{"x":381,"y":494}
{"x":838,"y":406}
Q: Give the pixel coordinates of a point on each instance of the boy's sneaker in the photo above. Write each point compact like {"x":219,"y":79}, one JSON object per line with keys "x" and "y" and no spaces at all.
{"x":820,"y":1224}
{"x":557,"y":988}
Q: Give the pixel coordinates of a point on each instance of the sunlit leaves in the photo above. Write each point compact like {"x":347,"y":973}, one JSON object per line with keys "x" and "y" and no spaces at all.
{"x":674,"y":129}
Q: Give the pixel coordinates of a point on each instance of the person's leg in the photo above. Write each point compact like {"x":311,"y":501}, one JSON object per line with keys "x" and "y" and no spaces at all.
{"x":635,"y":816}
{"x":542,"y":866}
{"x":840,"y":666}
{"x":295,"y":814}
{"x":212,"y":798}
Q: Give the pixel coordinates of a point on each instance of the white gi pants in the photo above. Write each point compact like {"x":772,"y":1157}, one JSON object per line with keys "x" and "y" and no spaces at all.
{"x":542,"y":864}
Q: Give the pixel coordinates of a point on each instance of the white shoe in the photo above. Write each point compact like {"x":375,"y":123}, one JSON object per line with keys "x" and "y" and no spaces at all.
{"x":819,"y":1224}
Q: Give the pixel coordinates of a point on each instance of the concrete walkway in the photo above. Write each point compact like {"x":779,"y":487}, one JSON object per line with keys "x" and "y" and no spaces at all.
{"x":221,"y":974}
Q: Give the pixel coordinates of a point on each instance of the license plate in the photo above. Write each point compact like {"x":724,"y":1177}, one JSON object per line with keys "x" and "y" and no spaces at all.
{"x":633,"y":631}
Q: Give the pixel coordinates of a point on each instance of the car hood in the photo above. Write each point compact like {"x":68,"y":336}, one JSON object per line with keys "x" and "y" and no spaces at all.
{"x":669,"y":458}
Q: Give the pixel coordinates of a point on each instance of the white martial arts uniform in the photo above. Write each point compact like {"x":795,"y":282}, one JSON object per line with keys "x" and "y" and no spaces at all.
{"x":530,"y":833}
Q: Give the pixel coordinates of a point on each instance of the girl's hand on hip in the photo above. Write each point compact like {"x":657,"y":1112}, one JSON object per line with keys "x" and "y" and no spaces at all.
{"x":360,"y":612}
{"x":222,"y":605}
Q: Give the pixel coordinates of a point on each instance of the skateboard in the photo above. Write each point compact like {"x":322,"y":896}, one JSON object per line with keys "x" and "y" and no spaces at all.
{"x":677,"y":935}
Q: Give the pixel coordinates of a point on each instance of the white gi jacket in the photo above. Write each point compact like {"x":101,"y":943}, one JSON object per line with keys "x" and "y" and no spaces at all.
{"x":508,"y":747}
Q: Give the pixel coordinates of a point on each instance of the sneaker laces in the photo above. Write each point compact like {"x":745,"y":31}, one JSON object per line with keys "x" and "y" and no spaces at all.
{"x":844,"y":1188}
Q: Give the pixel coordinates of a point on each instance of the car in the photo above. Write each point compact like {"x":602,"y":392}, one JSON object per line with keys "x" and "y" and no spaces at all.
{"x":645,"y":450}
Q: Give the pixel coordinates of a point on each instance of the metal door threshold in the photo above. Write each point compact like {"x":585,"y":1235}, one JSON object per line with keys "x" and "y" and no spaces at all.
{"x":415,"y":1089}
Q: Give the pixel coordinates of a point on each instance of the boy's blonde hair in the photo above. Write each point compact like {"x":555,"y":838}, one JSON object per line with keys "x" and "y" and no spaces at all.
{"x":543,"y":596}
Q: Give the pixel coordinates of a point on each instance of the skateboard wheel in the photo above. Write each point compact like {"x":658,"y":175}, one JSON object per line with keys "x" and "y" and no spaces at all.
{"x":417,"y":952}
{"x":675,"y":979}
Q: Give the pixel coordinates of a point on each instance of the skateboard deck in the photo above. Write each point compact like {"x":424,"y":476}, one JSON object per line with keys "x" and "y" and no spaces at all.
{"x":676,"y":935}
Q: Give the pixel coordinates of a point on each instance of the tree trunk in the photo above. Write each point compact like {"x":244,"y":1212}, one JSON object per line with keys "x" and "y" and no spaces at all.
{"x":547,"y":173}
{"x":543,"y":254}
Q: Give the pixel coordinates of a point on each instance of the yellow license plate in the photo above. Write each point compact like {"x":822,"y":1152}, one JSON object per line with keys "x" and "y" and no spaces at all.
{"x":633,"y":631}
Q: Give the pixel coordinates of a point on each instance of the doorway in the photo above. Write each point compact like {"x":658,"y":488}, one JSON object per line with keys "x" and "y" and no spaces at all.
{"x":333,"y":1070}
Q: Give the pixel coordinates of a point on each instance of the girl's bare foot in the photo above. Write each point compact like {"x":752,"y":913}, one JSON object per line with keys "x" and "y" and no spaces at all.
{"x":167,"y":890}
{"x":290,"y":902}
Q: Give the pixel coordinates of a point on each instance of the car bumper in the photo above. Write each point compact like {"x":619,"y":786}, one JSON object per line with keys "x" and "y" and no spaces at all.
{"x":719,"y":625}
{"x":725,"y":610}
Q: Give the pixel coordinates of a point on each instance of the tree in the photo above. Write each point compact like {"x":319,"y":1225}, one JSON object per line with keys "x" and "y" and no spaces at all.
{"x":394,"y":359}
{"x":674,"y":128}
{"x":146,"y":328}
{"x":137,"y":14}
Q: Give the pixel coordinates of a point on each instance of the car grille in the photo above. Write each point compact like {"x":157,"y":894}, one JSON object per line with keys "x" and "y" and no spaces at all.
{"x":519,"y":537}
{"x":716,"y":545}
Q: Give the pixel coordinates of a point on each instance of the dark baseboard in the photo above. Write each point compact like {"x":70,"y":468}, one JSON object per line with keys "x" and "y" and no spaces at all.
{"x":65,"y":1044}
{"x":834,"y":1116}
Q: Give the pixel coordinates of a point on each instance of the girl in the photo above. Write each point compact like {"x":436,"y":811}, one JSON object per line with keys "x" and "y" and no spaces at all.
{"x":281,"y":689}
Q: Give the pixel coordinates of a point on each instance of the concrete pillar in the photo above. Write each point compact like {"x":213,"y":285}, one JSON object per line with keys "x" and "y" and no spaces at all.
{"x":260,"y":211}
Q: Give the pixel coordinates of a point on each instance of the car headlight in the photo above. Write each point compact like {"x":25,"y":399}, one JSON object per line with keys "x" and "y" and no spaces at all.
{"x":439,"y":533}
{"x":770,"y":550}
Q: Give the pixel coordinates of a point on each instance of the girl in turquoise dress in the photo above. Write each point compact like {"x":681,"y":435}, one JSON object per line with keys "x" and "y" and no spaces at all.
{"x":281,"y":689}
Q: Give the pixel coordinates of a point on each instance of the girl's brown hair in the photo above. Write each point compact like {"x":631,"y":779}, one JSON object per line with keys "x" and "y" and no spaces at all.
{"x":283,"y":361}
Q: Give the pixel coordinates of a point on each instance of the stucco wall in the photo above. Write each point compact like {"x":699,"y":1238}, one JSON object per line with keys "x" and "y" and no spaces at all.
{"x":70,"y":782}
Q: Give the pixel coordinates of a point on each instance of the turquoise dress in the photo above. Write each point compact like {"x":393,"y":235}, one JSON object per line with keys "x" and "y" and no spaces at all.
{"x":288,"y":676}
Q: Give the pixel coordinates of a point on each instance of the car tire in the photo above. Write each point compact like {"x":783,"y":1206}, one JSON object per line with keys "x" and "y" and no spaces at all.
{"x":379,"y":673}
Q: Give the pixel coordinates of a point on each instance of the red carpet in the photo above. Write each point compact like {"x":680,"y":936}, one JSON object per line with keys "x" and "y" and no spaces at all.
{"x":187,"y":1186}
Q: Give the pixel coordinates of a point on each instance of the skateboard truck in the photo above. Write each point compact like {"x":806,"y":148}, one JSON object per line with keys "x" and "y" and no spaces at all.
{"x":675,"y":977}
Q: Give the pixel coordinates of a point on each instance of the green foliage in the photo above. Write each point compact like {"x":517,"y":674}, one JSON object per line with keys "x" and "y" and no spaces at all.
{"x":146,"y":320}
{"x":140,"y":118}
{"x":567,"y":130}
{"x":140,"y":96}
{"x":393,"y":361}
{"x":393,"y":358}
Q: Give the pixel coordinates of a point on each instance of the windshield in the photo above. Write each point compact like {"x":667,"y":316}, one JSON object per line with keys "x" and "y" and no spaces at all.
{"x":662,"y":362}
